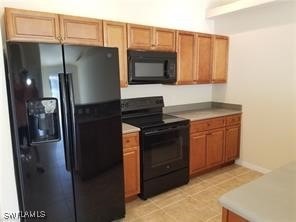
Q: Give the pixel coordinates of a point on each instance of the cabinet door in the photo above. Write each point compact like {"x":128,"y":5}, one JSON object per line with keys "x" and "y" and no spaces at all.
{"x":140,"y":37}
{"x":215,"y":147}
{"x":220,"y":59}
{"x":131,"y":171}
{"x":30,"y":26}
{"x":115,"y":36}
{"x":232,"y":142}
{"x":204,"y":58}
{"x":186,"y":57}
{"x":197,"y":152}
{"x":79,"y":30}
{"x":164,"y":40}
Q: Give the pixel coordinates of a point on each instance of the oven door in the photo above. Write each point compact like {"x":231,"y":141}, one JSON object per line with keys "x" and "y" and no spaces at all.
{"x":164,"y":150}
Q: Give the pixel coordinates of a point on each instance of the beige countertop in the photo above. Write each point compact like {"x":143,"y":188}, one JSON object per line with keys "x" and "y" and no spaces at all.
{"x":126,"y":128}
{"x":193,"y":115}
{"x":271,"y":198}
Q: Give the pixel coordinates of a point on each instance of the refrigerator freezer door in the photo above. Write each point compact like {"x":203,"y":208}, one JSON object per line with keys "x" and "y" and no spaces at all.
{"x":98,"y":179}
{"x":44,"y":182}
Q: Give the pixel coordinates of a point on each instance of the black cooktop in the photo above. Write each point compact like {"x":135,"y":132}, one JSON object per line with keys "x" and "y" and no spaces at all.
{"x":146,"y":112}
{"x":155,"y":121}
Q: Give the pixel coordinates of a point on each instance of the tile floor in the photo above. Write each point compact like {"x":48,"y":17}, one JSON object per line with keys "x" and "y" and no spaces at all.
{"x":196,"y":201}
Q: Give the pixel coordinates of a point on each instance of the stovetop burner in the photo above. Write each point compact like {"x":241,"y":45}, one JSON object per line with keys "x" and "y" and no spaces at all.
{"x":146,"y":112}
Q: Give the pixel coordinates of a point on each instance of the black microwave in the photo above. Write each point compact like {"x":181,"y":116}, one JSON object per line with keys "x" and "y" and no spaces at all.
{"x":151,"y":67}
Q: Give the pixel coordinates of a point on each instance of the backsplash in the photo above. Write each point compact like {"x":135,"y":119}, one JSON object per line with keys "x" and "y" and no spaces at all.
{"x":172,"y":94}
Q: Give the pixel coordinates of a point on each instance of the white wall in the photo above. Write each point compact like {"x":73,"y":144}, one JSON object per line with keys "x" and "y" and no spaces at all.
{"x":185,"y":15}
{"x":262,"y":77}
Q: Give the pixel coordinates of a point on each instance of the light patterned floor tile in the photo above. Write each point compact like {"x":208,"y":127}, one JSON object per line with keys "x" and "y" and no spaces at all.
{"x":138,"y":208}
{"x":157,"y":216}
{"x":196,"y":201}
{"x":195,"y":186}
{"x":167,"y":198}
{"x":237,"y":171}
{"x":184,"y":211}
{"x":230,"y":184}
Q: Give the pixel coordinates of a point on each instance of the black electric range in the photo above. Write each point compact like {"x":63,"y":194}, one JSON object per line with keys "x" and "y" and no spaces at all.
{"x":164,"y":144}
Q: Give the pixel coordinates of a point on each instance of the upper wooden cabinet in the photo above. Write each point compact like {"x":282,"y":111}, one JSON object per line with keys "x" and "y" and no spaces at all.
{"x":30,"y":26}
{"x":186,"y":57}
{"x":150,"y":38}
{"x":194,"y":57}
{"x":220,"y":59}
{"x":164,"y":39}
{"x":79,"y":30}
{"x":139,"y":36}
{"x":204,"y":47}
{"x":202,"y":58}
{"x":115,"y":36}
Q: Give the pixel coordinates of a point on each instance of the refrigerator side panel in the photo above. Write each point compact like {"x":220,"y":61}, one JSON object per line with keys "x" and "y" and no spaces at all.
{"x":98,"y":175}
{"x":46,"y":186}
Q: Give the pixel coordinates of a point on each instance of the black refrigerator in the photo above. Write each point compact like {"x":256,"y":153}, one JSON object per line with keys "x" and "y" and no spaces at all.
{"x":66,"y":132}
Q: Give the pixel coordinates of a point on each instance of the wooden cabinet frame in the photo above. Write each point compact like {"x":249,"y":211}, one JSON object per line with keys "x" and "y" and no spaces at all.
{"x":131,"y":163}
{"x":151,"y":38}
{"x":210,"y":143}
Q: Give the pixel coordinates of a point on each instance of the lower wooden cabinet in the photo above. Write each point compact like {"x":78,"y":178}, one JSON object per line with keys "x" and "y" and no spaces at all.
{"x":215,"y":147}
{"x":214,"y":142}
{"x":229,"y":216}
{"x":232,"y":142}
{"x":197,"y":149}
{"x":131,"y":163}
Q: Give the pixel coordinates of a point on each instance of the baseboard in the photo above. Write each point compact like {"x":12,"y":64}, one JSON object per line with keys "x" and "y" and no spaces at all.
{"x":252,"y":166}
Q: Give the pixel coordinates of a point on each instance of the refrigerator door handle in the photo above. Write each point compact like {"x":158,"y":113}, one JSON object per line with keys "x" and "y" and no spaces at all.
{"x":65,"y":118}
{"x":72,"y":117}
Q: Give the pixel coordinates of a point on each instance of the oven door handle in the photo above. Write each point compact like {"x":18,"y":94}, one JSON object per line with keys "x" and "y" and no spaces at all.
{"x":160,"y":131}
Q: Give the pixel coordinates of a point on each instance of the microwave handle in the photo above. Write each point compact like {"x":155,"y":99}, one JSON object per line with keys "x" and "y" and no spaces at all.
{"x":166,"y":74}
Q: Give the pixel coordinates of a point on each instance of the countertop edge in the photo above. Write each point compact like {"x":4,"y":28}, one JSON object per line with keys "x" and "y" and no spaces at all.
{"x":127,"y":128}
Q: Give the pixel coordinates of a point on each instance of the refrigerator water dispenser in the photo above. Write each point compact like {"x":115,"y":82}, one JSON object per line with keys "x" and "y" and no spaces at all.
{"x":43,"y":120}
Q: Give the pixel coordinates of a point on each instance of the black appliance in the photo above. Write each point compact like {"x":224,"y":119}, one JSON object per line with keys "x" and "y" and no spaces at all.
{"x":66,"y":127}
{"x":151,"y":67}
{"x":164,"y":144}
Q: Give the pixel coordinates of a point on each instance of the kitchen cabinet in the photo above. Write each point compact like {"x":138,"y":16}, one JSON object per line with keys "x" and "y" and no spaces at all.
{"x":131,"y":163}
{"x":206,"y":144}
{"x":220,"y":59}
{"x":79,"y":30}
{"x":31,"y":26}
{"x":214,"y":142}
{"x":215,"y":147}
{"x":150,"y":38}
{"x":229,"y":216}
{"x":232,"y":137}
{"x":203,"y":59}
{"x":185,"y":57}
{"x":197,"y":152}
{"x":115,"y":36}
{"x":194,"y":57}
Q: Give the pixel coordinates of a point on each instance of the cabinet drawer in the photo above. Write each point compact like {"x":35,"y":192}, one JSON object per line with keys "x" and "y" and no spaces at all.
{"x":232,"y":120}
{"x":208,"y":124}
{"x":130,"y":140}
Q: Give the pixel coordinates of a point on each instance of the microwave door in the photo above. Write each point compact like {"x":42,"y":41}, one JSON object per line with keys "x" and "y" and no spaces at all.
{"x":147,"y":70}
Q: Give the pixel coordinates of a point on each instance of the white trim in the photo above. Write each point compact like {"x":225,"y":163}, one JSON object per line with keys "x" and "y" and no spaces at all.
{"x":235,"y":6}
{"x":252,"y":166}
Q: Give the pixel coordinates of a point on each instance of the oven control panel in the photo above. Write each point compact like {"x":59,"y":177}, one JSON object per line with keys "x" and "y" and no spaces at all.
{"x":141,"y":103}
